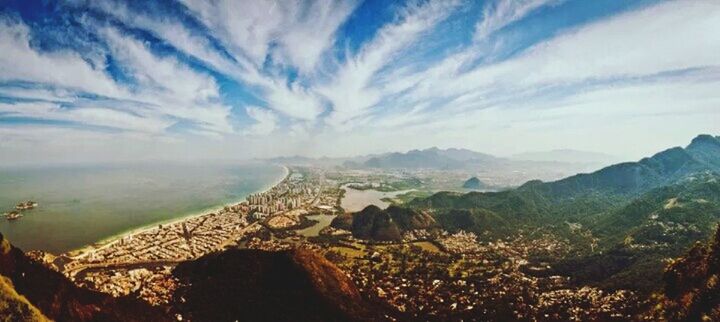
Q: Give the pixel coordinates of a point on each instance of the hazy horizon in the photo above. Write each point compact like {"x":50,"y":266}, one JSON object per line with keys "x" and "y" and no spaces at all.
{"x":119,"y":81}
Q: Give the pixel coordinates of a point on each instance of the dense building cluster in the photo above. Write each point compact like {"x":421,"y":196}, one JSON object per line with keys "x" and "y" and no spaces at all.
{"x":171,"y":242}
{"x":476,"y":281}
{"x":292,"y":193}
{"x":154,"y":284}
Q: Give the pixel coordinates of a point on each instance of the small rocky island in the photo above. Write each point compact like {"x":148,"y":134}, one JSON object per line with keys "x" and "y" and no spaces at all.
{"x":19,"y":208}
{"x":26,"y":205}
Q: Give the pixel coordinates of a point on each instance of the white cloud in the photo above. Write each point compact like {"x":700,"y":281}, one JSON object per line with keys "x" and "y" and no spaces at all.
{"x":168,"y":88}
{"x":172,"y":31}
{"x":625,"y":75}
{"x":499,"y":13}
{"x":266,"y":120}
{"x":20,"y":62}
{"x":302,"y":31}
{"x":171,"y":87}
{"x":295,"y":101}
{"x":603,"y":50}
{"x":350,"y":91}
{"x":43,"y":94}
{"x":86,"y":115}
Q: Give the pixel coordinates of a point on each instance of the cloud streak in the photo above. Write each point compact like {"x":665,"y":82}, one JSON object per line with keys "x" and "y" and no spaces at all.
{"x":324,"y":75}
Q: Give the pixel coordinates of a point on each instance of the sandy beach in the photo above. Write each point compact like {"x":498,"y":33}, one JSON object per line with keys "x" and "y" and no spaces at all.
{"x":109,"y":241}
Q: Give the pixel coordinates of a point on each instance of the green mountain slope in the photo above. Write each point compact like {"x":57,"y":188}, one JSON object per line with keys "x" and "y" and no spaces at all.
{"x":636,"y":239}
{"x":624,"y":220}
{"x":583,"y":195}
{"x":706,"y":149}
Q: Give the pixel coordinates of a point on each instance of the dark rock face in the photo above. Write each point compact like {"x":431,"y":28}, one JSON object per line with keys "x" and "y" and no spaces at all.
{"x":384,"y":225}
{"x":61,"y":300}
{"x":343,"y":221}
{"x":374,"y":223}
{"x":254,"y":285}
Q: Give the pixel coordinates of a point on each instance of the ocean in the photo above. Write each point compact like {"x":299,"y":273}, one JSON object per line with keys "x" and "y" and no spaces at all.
{"x":81,"y":205}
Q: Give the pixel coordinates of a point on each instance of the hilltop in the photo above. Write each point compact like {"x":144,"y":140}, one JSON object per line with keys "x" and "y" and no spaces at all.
{"x":384,"y":225}
{"x":254,"y":285}
{"x":432,"y":158}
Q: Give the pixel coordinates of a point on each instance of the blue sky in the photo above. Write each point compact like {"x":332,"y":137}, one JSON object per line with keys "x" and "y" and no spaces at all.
{"x":128,"y":80}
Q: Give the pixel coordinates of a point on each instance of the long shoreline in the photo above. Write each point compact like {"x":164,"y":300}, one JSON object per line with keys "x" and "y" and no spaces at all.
{"x":109,"y":241}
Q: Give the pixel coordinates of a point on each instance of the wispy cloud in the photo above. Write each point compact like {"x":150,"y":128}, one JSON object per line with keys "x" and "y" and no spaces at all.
{"x":65,"y":69}
{"x":334,"y":76}
{"x":351,"y":91}
{"x":500,"y":13}
{"x":265,"y":121}
{"x":291,"y":32}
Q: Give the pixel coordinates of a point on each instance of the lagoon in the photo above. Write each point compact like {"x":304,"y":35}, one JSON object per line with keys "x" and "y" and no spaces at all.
{"x":355,"y":200}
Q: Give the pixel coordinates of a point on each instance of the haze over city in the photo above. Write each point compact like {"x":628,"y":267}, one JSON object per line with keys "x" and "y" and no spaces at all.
{"x":84,"y":81}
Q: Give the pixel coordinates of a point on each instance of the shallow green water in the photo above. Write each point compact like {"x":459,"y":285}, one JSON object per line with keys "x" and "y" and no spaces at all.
{"x":80,"y":205}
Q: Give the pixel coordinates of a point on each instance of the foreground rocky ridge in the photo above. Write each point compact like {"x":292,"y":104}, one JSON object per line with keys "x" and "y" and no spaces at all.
{"x":255,"y":285}
{"x":692,"y":285}
{"x":61,"y":300}
{"x":247,"y":285}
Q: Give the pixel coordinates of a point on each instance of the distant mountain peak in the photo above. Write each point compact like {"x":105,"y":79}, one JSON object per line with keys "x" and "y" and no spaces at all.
{"x":705,"y":139}
{"x":706,"y":149}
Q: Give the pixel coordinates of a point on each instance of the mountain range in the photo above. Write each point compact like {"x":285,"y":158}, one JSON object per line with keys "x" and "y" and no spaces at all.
{"x":432,"y":158}
{"x":638,"y":212}
{"x":454,"y":159}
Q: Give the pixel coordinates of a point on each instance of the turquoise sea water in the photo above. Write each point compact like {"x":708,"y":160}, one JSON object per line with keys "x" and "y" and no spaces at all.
{"x":81,"y":205}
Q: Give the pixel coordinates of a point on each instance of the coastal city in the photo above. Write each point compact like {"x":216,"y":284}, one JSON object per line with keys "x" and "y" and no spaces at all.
{"x":142,"y":261}
{"x":429,"y":273}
